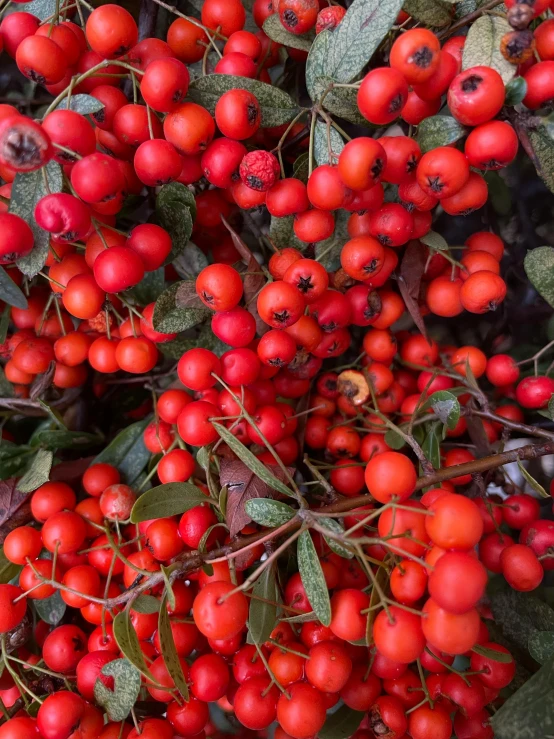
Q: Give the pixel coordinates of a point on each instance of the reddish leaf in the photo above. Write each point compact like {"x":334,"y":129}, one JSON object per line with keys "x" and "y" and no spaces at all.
{"x":70,"y":472}
{"x":252,"y":283}
{"x":15,"y":507}
{"x":42,"y":382}
{"x":409,"y":281}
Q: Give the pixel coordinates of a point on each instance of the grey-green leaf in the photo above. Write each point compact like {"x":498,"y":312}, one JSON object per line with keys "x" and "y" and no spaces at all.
{"x":41,"y":9}
{"x":434,"y":13}
{"x":277,"y":107}
{"x":539,"y":267}
{"x":434,"y":241}
{"x":262,"y":616}
{"x":341,"y":101}
{"x":169,"y":652}
{"x":146,"y":604}
{"x":170,"y":499}
{"x":431,"y":445}
{"x":341,"y":724}
{"x":252,"y":462}
{"x":439,"y":130}
{"x":269,"y":512}
{"x":316,"y":63}
{"x":313,"y":578}
{"x":10,"y":292}
{"x":119,"y":701}
{"x":358,"y":35}
{"x":277,"y":32}
{"x":529,"y":712}
{"x":537,"y":487}
{"x":81,"y":103}
{"x":38,"y":473}
{"x":327,"y":142}
{"x":169,"y":317}
{"x":541,"y":646}
{"x":128,"y":642}
{"x":493,"y":654}
{"x":280,"y":229}
{"x":127,"y":451}
{"x":27,"y":189}
{"x":482,"y":46}
{"x":176,"y":210}
{"x":51,"y":609}
{"x":336,"y":528}
{"x":191,"y":262}
{"x":539,"y":144}
{"x":446,"y":406}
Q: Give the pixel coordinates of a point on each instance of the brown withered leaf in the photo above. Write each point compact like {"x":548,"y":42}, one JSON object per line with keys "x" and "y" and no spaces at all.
{"x":242,"y":485}
{"x":187,"y":297}
{"x":15,"y":507}
{"x":409,"y":281}
{"x":42,"y":382}
{"x":252,"y":283}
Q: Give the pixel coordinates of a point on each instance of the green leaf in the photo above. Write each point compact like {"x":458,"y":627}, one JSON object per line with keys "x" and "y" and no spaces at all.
{"x":434,"y":241}
{"x":434,"y":13}
{"x":277,"y":32}
{"x":8,"y":570}
{"x":341,"y":101}
{"x":313,"y":578}
{"x":541,"y":646}
{"x":63,"y":439}
{"x":328,"y":251}
{"x":439,"y":130}
{"x":127,"y":451}
{"x":277,"y":107}
{"x":41,"y":9}
{"x":176,"y":348}
{"x":300,"y":170}
{"x":539,"y":268}
{"x":4,"y":323}
{"x":38,"y":473}
{"x":431,"y":446}
{"x":446,"y":406}
{"x":191,"y":262}
{"x":169,"y":317}
{"x":529,"y":712}
{"x":146,"y":604}
{"x":166,"y":572}
{"x":540,"y":146}
{"x":252,"y":462}
{"x":170,"y":499}
{"x":358,"y":35}
{"x":520,"y":615}
{"x":51,"y":609}
{"x":169,"y":652}
{"x":341,"y":724}
{"x":537,"y":487}
{"x":322,"y":143}
{"x":280,"y":229}
{"x":10,"y":292}
{"x":394,"y":440}
{"x":27,"y":189}
{"x":500,"y":196}
{"x":6,"y":389}
{"x":482,"y":46}
{"x":176,"y":210}
{"x":516,"y":90}
{"x":128,"y":642}
{"x":337,"y":528}
{"x":83,"y":104}
{"x":119,"y":701}
{"x":148,"y":289}
{"x":269,"y":512}
{"x":262,"y":616}
{"x":493,"y":654}
{"x":316,"y":63}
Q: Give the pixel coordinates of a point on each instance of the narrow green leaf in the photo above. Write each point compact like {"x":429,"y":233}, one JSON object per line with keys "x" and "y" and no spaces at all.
{"x":38,"y":473}
{"x":434,"y":241}
{"x":434,"y":13}
{"x":6,"y":388}
{"x":4,"y":322}
{"x":541,"y":646}
{"x":439,"y":130}
{"x":277,"y":32}
{"x":539,"y":268}
{"x":51,"y":609}
{"x":262,"y":616}
{"x":493,"y":654}
{"x":127,"y":640}
{"x":313,"y":578}
{"x":166,"y":572}
{"x":127,"y":451}
{"x":431,"y":446}
{"x":482,"y":46}
{"x":8,"y":570}
{"x":269,"y":512}
{"x":358,"y":35}
{"x":394,"y":440}
{"x":537,"y":487}
{"x":10,"y":292}
{"x":252,"y":462}
{"x":119,"y":701}
{"x":169,"y":652}
{"x":341,"y":724}
{"x":170,"y":499}
{"x":277,"y":107}
{"x":146,"y":604}
{"x":446,"y":406}
{"x":300,"y":170}
{"x":63,"y":439}
{"x":337,"y":528}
